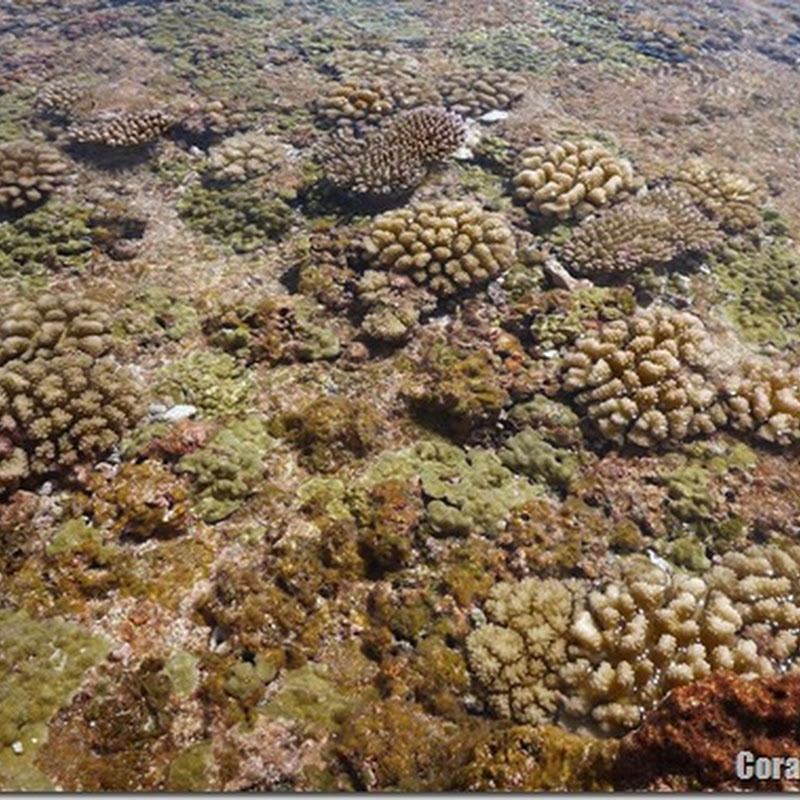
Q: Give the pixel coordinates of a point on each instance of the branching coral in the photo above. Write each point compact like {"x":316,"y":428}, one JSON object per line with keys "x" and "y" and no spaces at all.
{"x":599,"y":657}
{"x":646,"y":380}
{"x":571,"y":179}
{"x":29,"y":173}
{"x":446,"y":246}
{"x":63,"y":398}
{"x":654,"y":229}
{"x":394,"y":158}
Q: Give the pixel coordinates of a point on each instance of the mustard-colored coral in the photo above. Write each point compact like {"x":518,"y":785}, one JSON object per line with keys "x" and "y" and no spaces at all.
{"x":446,"y":246}
{"x":646,"y":379}
{"x":474,"y":91}
{"x":571,"y":179}
{"x":732,"y":200}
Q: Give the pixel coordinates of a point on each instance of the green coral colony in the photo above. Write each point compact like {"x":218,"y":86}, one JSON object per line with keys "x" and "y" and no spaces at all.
{"x":358,"y":433}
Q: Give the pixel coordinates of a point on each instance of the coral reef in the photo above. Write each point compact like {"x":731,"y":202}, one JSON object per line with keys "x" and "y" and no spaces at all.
{"x":654,"y":229}
{"x":29,"y":173}
{"x":692,"y":740}
{"x":473,"y":92}
{"x":600,"y":657}
{"x":63,"y":398}
{"x":646,"y":380}
{"x":571,"y":179}
{"x":395,"y":157}
{"x":133,"y":129}
{"x":446,"y":246}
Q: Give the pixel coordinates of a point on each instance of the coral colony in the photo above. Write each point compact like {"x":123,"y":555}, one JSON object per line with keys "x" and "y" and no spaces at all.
{"x":398,"y":397}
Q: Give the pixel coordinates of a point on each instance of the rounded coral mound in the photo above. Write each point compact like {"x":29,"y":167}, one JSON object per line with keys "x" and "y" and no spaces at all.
{"x":446,"y":246}
{"x":646,"y":379}
{"x":474,"y":91}
{"x":655,"y":229}
{"x":571,"y":179}
{"x":763,"y":397}
{"x":394,"y":158}
{"x":29,"y":173}
{"x":63,"y":397}
{"x":124,"y":130}
{"x":245,"y":156}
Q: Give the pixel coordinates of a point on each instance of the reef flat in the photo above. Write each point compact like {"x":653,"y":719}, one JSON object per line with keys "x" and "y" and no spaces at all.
{"x":398,"y":396}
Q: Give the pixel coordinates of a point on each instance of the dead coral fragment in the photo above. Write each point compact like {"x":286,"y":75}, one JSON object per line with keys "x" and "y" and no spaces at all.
{"x":29,"y":173}
{"x":651,"y":230}
{"x":571,"y":179}
{"x":646,"y":380}
{"x":63,"y":398}
{"x":125,"y":130}
{"x":446,"y":246}
{"x":396,"y":157}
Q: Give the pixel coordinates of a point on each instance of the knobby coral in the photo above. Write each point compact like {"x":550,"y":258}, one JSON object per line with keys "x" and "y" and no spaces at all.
{"x":598,"y":657}
{"x":447,"y":246}
{"x":29,"y":173}
{"x":63,"y":397}
{"x":571,"y":179}
{"x":646,"y":379}
{"x":654,"y":229}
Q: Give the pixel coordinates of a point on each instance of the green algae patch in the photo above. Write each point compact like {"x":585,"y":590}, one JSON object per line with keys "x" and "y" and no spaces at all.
{"x":760,"y":292}
{"x":183,"y":672}
{"x":42,"y":664}
{"x":54,"y":237}
{"x":234,"y":216}
{"x":214,"y":382}
{"x":529,"y":453}
{"x":465,"y":491}
{"x":229,"y":468}
{"x":188,"y":771}
{"x":310,"y":694}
